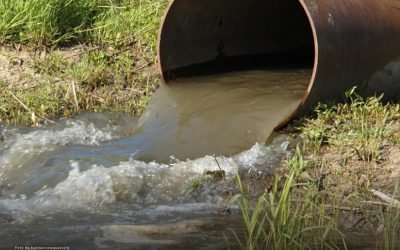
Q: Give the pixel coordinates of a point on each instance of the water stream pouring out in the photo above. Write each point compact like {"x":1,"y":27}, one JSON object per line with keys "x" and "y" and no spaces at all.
{"x":235,"y":71}
{"x":217,"y":115}
{"x":204,"y":109}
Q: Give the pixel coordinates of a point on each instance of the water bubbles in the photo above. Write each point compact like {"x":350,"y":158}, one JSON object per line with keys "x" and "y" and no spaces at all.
{"x":65,"y":171}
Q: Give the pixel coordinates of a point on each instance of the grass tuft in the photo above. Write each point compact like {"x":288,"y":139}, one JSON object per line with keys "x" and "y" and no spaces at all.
{"x":129,"y":21}
{"x":60,"y":22}
{"x":46,"y":22}
{"x":112,"y":71}
{"x":275,"y":220}
{"x":360,"y":127}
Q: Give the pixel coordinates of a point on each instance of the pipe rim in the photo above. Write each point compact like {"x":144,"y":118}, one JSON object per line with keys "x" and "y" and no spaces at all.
{"x":316,"y":50}
{"x":314,"y":69}
{"x":159,"y":38}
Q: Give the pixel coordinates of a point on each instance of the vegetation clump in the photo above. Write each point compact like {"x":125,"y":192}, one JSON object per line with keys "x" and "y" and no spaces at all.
{"x":361,"y":127}
{"x":340,"y":184}
{"x":66,"y":22}
{"x":61,"y":57}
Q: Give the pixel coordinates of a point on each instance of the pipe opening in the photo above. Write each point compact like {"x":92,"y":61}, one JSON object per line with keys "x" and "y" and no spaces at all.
{"x":216,"y":36}
{"x":269,"y":44}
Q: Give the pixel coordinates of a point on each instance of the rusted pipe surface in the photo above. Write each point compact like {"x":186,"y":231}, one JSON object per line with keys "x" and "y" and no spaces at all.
{"x":353,"y":42}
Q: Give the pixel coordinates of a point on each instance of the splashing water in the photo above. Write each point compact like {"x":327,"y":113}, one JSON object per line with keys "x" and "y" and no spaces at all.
{"x":109,"y":180}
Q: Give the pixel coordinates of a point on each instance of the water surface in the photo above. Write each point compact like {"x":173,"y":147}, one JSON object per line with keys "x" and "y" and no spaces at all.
{"x":117,"y":182}
{"x":220,"y":114}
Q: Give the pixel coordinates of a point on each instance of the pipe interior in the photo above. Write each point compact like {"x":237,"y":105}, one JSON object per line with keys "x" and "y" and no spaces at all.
{"x":216,"y":36}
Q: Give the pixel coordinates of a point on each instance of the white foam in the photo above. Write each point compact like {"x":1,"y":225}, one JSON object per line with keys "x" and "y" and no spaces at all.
{"x":16,"y":159}
{"x":162,"y":186}
{"x":76,"y":133}
{"x":264,"y":155}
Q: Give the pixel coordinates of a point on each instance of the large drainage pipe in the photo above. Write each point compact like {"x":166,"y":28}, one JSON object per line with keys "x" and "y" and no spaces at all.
{"x":346,"y":42}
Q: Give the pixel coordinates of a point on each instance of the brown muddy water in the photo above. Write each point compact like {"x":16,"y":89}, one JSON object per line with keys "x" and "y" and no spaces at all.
{"x":111,"y":181}
{"x":217,"y":115}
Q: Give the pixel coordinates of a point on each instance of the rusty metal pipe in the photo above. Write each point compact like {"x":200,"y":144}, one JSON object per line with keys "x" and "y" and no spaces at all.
{"x":353,"y":42}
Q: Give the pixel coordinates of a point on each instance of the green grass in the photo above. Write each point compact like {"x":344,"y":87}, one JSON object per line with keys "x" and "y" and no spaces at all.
{"x":46,"y":22}
{"x":314,"y":190}
{"x":360,"y":127}
{"x":297,"y":214}
{"x":389,"y":218}
{"x":275,"y":220}
{"x":60,"y":22}
{"x":96,"y":81}
{"x":131,"y":19}
{"x":115,"y":73}
{"x":22,"y":105}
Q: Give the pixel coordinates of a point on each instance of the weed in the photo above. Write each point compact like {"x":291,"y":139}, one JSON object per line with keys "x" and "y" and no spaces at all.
{"x":58,"y":22}
{"x":20,"y":105}
{"x":53,"y":64}
{"x":276,"y":221}
{"x":96,"y":81}
{"x":361,"y":126}
{"x":129,"y":21}
{"x":389,"y":220}
{"x":46,"y":22}
{"x":120,"y":39}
